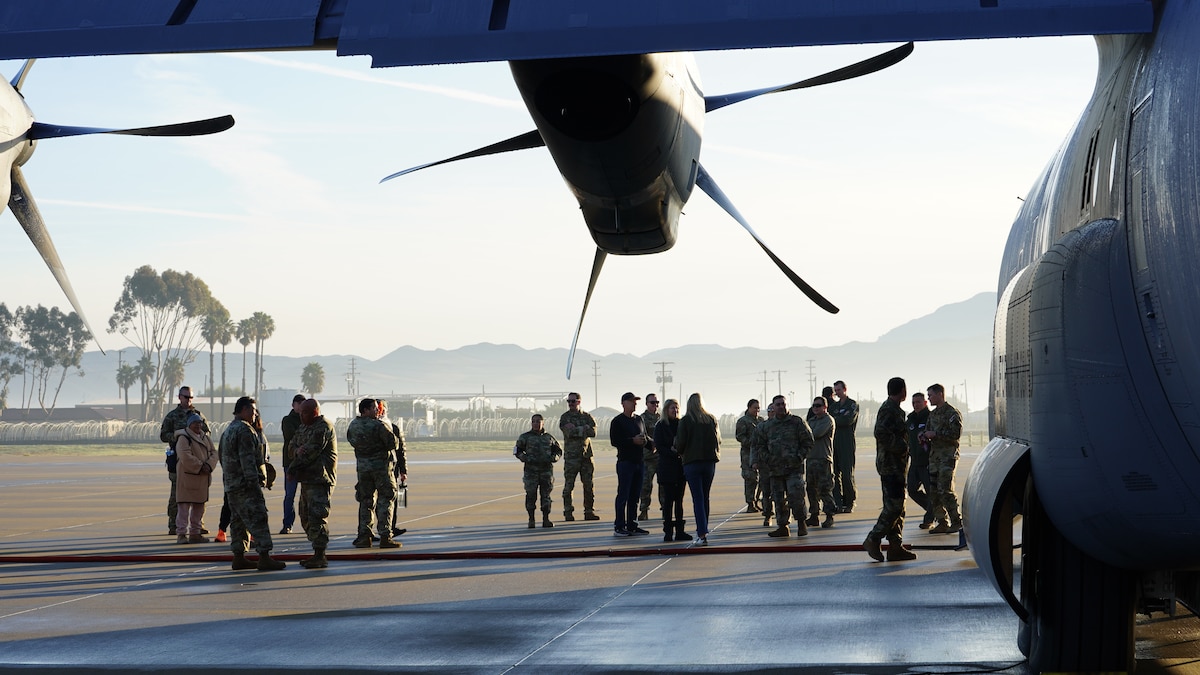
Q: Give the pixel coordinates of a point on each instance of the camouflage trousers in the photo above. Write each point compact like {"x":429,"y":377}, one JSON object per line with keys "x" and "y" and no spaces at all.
{"x":248,"y":516}
{"x":585,"y":469}
{"x":375,"y":493}
{"x":893,"y":470}
{"x":749,"y":477}
{"x":538,"y":478}
{"x":651,"y":468}
{"x":787,"y":491}
{"x":314,"y":500}
{"x":943,"y":502}
{"x":762,"y":489}
{"x":820,"y":487}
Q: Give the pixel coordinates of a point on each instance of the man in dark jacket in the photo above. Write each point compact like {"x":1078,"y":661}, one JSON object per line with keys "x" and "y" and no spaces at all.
{"x":288,"y":425}
{"x":627,"y":433}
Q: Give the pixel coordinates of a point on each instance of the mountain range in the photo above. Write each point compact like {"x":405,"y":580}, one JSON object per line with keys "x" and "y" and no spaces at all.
{"x":952,"y":345}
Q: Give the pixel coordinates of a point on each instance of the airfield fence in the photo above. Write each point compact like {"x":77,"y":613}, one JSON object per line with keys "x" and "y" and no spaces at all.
{"x":491,"y":429}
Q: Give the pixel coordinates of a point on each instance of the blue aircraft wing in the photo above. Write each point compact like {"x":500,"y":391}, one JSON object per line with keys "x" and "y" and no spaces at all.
{"x":413,"y":32}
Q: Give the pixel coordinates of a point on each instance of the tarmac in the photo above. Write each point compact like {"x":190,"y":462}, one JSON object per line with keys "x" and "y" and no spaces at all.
{"x":91,"y":582}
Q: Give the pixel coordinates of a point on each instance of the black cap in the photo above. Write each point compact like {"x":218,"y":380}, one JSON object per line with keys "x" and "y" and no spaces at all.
{"x":298,"y":398}
{"x":629,"y":396}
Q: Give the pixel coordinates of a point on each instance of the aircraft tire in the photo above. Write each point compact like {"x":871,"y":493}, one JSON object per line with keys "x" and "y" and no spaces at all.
{"x":1081,"y":610}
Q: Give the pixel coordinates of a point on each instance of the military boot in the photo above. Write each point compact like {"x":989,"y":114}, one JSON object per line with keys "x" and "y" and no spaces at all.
{"x":240,"y":562}
{"x":897,"y":553}
{"x":813,"y":520}
{"x":942,"y":528}
{"x":828,"y":522}
{"x":680,"y":535}
{"x":317,"y":561}
{"x":546,"y":519}
{"x":801,"y":529}
{"x":751,"y":507}
{"x":644,"y":514}
{"x":388,"y":542}
{"x":955,"y":525}
{"x":268,"y":564}
{"x":871,"y":544}
{"x":668,"y":530}
{"x":781,"y":531}
{"x":532,"y":523}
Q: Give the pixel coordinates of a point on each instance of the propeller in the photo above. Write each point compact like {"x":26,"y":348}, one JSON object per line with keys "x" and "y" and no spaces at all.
{"x":597,"y":263}
{"x":20,"y":198}
{"x":871,"y":65}
{"x":706,"y":183}
{"x":526,"y":141}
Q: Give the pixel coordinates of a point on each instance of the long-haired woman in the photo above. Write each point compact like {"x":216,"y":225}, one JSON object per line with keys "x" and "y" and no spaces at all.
{"x":699,"y":443}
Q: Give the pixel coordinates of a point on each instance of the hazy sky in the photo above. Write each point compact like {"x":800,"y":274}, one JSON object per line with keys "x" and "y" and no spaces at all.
{"x":892,"y":194}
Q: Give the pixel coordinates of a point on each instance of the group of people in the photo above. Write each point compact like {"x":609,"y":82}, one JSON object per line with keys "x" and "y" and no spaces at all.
{"x":677,"y":450}
{"x":310,"y":470}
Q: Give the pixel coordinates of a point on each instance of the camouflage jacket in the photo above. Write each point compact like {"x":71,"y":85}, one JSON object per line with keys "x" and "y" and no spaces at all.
{"x":784,"y":444}
{"x":373,"y":442}
{"x":891,"y":430}
{"x":744,"y":430}
{"x":578,"y":439}
{"x":946,"y":423}
{"x":241,"y":457}
{"x":314,"y":453}
{"x":176,"y":420}
{"x":650,"y":420}
{"x":822,"y":430}
{"x":538,"y":449}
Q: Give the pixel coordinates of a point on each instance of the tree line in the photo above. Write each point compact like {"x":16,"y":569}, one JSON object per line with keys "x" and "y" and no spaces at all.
{"x":169,"y":317}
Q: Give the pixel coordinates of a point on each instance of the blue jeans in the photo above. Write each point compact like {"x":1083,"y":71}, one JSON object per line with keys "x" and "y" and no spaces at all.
{"x":289,"y":500}
{"x":629,"y":489}
{"x":699,"y":477}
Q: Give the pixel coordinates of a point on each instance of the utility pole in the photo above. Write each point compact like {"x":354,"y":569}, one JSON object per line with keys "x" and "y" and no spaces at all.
{"x":966,"y":407}
{"x":812,"y":379}
{"x":664,"y":376}
{"x":779,"y":379}
{"x":595,"y":382}
{"x":764,"y":381}
{"x":352,"y":379}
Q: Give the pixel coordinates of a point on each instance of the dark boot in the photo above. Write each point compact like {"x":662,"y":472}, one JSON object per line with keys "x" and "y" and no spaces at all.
{"x":668,"y":529}
{"x":644,"y":514}
{"x":897,"y":553}
{"x":871,"y":544}
{"x":532,"y":522}
{"x":680,"y":535}
{"x":318,"y":561}
{"x":813,"y":520}
{"x":268,"y":564}
{"x":751,"y":507}
{"x":546,"y":519}
{"x":240,"y":562}
{"x":801,"y":529}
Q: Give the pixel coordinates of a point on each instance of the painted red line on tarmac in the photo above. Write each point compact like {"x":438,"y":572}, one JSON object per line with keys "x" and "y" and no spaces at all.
{"x":461,"y":555}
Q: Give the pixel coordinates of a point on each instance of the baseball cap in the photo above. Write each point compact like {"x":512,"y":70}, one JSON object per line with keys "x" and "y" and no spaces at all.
{"x":629,"y":396}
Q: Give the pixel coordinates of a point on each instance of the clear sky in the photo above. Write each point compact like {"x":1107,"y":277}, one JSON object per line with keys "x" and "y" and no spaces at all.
{"x":892,"y":194}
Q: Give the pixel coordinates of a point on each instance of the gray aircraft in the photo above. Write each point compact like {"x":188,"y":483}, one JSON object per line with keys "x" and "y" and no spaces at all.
{"x":1095,"y":375}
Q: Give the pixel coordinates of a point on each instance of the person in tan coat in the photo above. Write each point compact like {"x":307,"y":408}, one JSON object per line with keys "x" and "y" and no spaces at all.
{"x":197,"y":457}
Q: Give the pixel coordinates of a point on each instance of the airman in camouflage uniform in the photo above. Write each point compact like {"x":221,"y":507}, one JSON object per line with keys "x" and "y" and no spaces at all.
{"x":744,"y":433}
{"x":650,"y":418}
{"x":244,"y":475}
{"x":578,"y":428}
{"x":314,"y":466}
{"x":784,"y":441}
{"x":891,"y":461}
{"x":175,"y":420}
{"x":820,"y":466}
{"x":374,"y":454}
{"x":942,"y":431}
{"x":539,"y":451}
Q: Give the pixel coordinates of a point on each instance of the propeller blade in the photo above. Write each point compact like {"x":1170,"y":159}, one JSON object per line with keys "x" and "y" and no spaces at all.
{"x":19,"y":79}
{"x":706,"y":183}
{"x":597,"y":263}
{"x":198,"y":128}
{"x":871,"y":65}
{"x":21,"y":203}
{"x":525,"y":141}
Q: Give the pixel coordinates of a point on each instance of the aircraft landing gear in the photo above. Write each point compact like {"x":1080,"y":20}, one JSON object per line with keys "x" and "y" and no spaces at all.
{"x":1081,"y":610}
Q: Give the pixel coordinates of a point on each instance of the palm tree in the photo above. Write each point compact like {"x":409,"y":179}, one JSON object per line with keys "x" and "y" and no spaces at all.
{"x":173,"y":374}
{"x":144,"y":370}
{"x":210,"y":329}
{"x":264,"y":328}
{"x":225,"y":333}
{"x":126,"y":377}
{"x":313,"y":378}
{"x":245,"y":335}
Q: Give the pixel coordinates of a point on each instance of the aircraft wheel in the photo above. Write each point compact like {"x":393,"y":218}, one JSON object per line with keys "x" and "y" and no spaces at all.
{"x":1081,"y":611}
